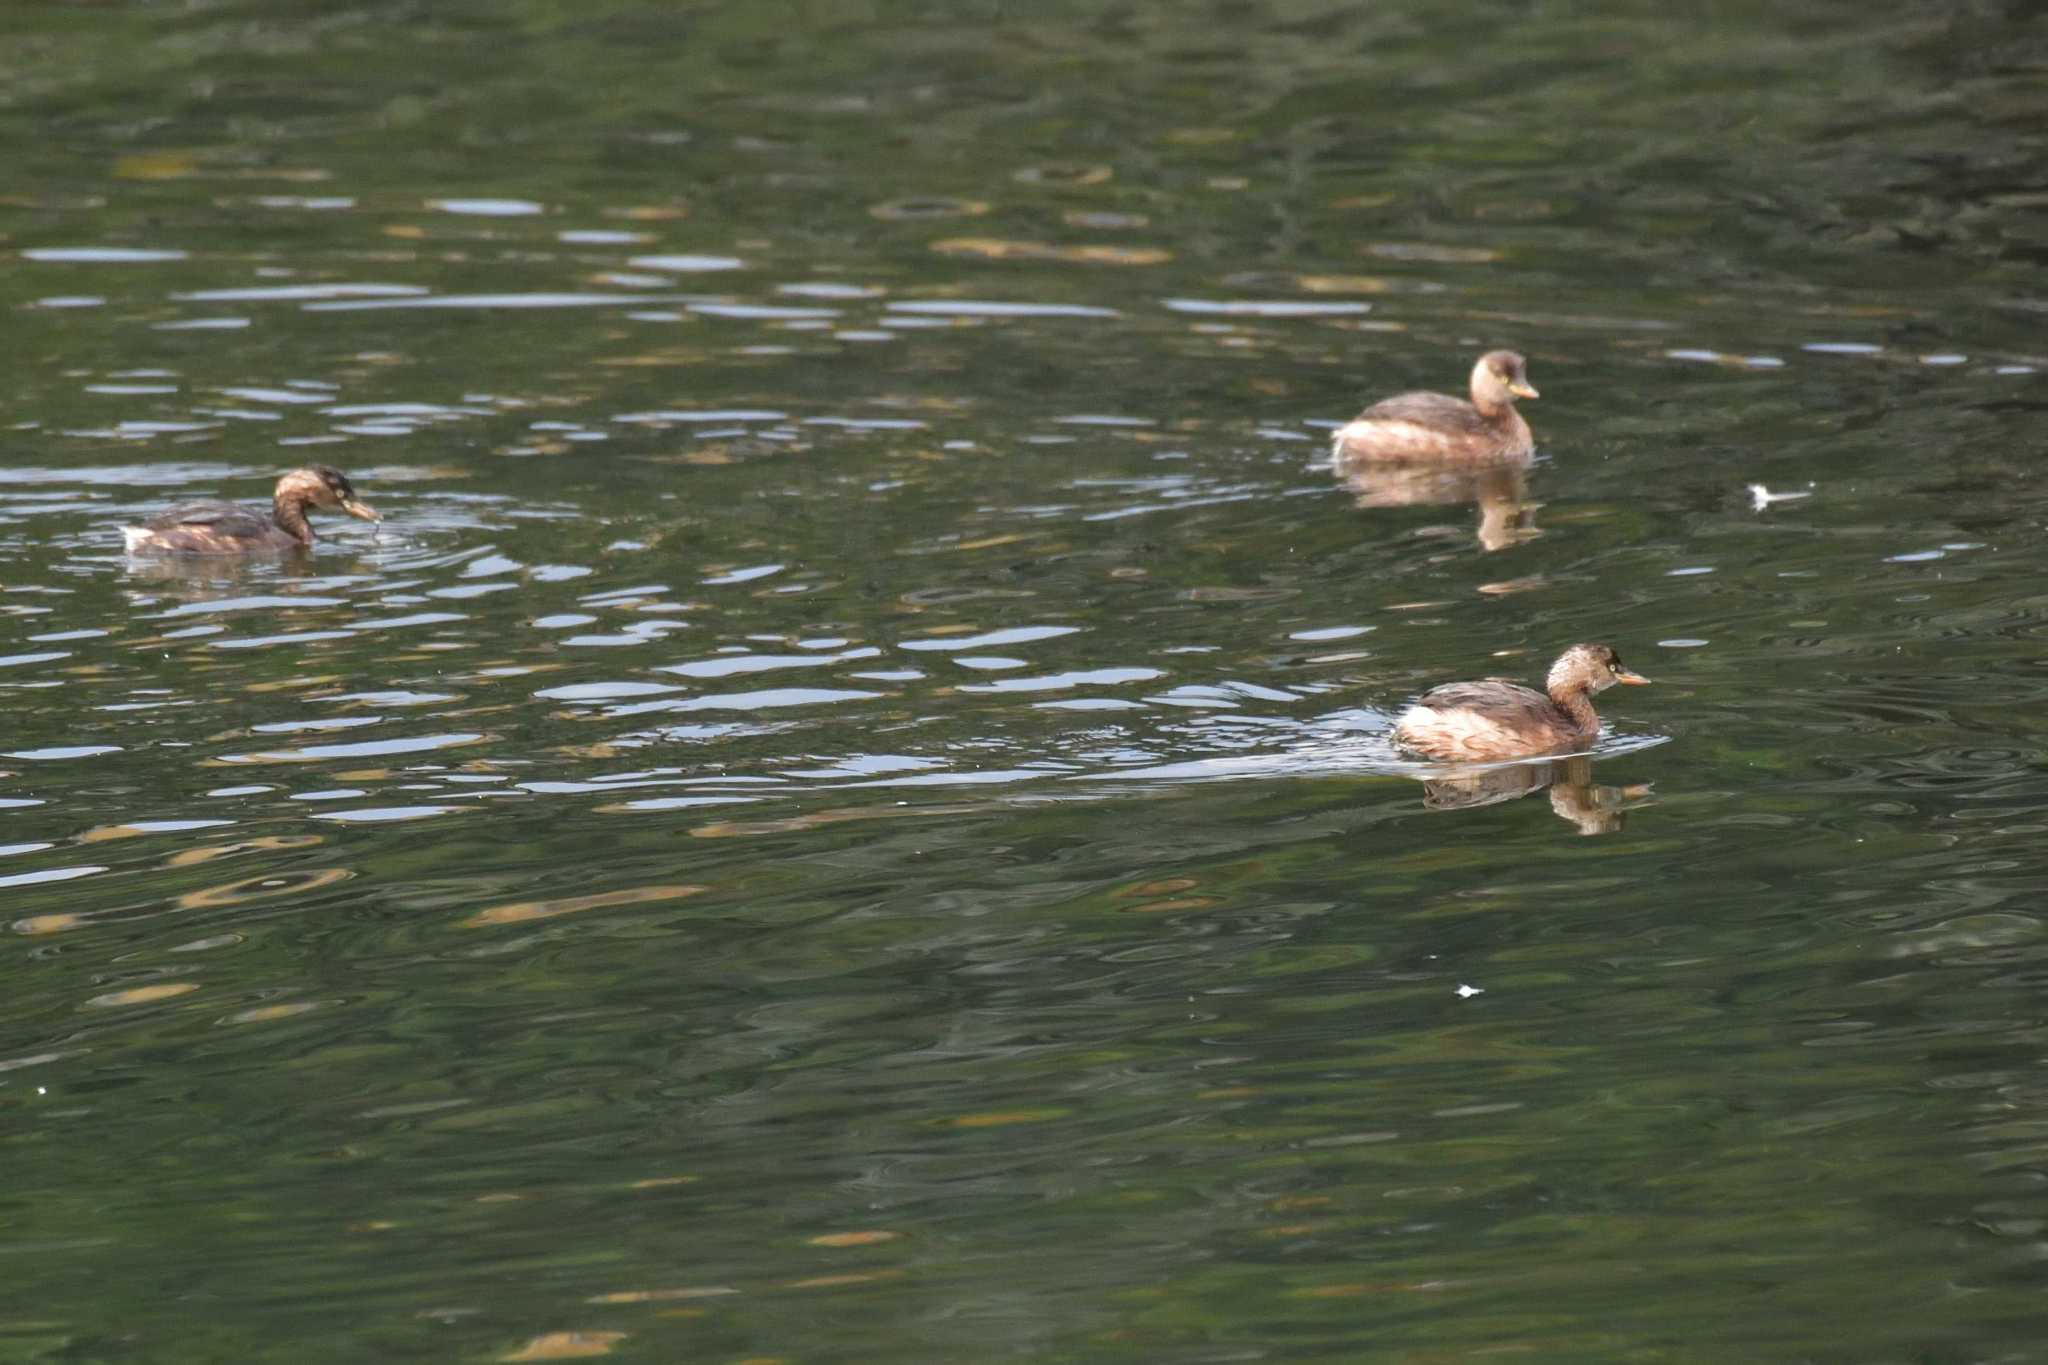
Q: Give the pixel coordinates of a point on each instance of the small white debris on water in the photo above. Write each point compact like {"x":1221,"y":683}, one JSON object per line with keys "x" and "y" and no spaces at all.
{"x":1467,"y":992}
{"x":1761,"y":497}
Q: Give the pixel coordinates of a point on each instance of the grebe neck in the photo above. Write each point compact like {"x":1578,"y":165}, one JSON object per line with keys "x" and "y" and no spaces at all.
{"x":288,"y":510}
{"x":1576,"y":701}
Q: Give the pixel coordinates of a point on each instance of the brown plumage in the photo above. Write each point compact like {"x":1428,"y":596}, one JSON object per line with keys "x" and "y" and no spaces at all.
{"x":226,"y":528}
{"x":1495,"y":719}
{"x":1431,"y":427}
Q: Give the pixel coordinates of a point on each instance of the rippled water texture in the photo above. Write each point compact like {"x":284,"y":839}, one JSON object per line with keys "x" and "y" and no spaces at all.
{"x":845,"y":812}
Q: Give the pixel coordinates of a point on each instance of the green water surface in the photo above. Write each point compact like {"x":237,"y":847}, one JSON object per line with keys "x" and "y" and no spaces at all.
{"x":844,"y":814}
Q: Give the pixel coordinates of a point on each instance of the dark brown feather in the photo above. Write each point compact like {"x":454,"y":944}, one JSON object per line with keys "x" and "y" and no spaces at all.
{"x":1436,"y":410}
{"x":226,"y":517}
{"x":1491,"y":694}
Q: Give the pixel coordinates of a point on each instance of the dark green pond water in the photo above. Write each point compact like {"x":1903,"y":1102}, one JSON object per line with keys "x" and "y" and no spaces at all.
{"x":845,"y":813}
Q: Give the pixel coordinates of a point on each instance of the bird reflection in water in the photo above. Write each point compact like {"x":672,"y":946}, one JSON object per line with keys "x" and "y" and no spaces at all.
{"x":186,"y":583}
{"x":214,"y":570}
{"x":200,"y":578}
{"x":1506,"y":516}
{"x":1574,"y":796}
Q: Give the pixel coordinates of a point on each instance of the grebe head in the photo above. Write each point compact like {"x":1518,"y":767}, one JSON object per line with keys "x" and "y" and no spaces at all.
{"x":321,"y":485}
{"x":1590,"y":668}
{"x":1499,"y":378}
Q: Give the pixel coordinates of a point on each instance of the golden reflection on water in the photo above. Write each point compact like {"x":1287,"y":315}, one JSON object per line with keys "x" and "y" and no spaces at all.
{"x":49,"y":924}
{"x":712,"y":1291}
{"x":1004,"y":1118}
{"x":142,"y":995}
{"x":155,"y":166}
{"x":261,"y":888}
{"x":898,"y":210}
{"x":1167,"y":906}
{"x":592,"y":751}
{"x":1164,"y":886}
{"x":261,"y":844}
{"x":999,"y":249}
{"x":1343,"y":284}
{"x":523,"y":912}
{"x":1103,"y":220}
{"x":1436,"y":253}
{"x":1506,"y":587}
{"x":295,"y":684}
{"x":1063,"y":173}
{"x":1167,"y":891}
{"x":100,"y":834}
{"x":567,"y":1346}
{"x":852,"y":1239}
{"x":839,"y":1281}
{"x":990,"y":542}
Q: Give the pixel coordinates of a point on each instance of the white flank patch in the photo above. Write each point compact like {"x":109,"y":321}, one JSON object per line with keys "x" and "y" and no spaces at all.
{"x":1453,"y":731}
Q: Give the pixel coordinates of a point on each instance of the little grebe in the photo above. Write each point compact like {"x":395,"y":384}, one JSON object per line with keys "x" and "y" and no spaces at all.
{"x":1436,"y":426}
{"x":226,"y":528}
{"x":1494,"y":719}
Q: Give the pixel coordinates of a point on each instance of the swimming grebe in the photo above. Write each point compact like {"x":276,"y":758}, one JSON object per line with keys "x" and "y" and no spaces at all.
{"x":226,"y":528}
{"x":1495,"y":719}
{"x":1435,"y":426}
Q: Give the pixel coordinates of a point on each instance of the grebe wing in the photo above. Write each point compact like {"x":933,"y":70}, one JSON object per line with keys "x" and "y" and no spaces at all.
{"x":1496,"y":695}
{"x":1438,"y":411}
{"x":225,"y":517}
